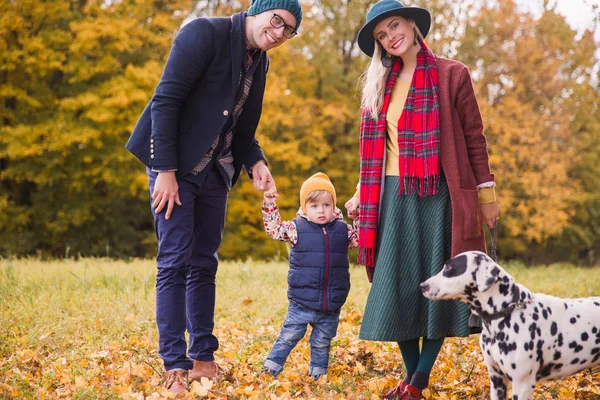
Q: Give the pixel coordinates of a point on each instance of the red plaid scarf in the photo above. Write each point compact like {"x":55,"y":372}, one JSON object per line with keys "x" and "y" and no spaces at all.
{"x":418,"y":143}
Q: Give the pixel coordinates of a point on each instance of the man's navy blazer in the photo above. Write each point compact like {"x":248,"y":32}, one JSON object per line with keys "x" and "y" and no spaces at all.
{"x":195,"y":97}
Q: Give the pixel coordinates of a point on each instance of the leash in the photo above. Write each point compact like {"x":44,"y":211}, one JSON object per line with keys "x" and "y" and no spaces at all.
{"x":493,"y":234}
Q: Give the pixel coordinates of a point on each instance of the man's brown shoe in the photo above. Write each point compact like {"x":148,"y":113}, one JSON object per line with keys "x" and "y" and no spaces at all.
{"x":205,"y":369}
{"x":176,"y":381}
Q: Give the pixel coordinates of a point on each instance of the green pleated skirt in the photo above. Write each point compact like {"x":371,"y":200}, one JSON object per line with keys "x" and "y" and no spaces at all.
{"x":414,"y":241}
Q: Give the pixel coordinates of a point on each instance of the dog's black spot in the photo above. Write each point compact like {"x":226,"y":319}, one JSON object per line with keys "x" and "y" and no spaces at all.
{"x":479,"y":258}
{"x":597,"y":304}
{"x":584,"y":336}
{"x":540,"y":352}
{"x":557,"y":355}
{"x":583,"y":361}
{"x":573,"y":320}
{"x":532,"y":330}
{"x":566,"y":306}
{"x":576,"y":347}
{"x":535,"y":316}
{"x":499,"y":386}
{"x":516,"y":327}
{"x":456,"y":267}
{"x":490,"y":281}
{"x":513,"y":366}
{"x":504,"y":289}
{"x":594,"y":330}
{"x":574,"y":361}
{"x":553,"y":328}
{"x":506,"y":348}
{"x":595,"y":350}
{"x":559,"y":341}
{"x":545,"y":314}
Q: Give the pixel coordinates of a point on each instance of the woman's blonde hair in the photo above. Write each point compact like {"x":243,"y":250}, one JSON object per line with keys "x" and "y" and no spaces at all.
{"x":374,"y":77}
{"x":372,"y":81}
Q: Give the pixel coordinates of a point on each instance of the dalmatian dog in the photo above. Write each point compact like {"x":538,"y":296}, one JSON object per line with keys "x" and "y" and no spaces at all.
{"x":526,"y":337}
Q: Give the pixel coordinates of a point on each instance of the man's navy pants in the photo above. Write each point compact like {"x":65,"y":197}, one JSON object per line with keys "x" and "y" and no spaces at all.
{"x":187,"y":265}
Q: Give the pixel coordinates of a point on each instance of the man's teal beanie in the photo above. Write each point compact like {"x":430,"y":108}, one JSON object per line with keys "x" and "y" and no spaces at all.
{"x":293,"y":6}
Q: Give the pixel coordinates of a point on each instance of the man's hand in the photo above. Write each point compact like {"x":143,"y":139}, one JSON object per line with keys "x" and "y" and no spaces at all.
{"x":353,"y":206}
{"x":262,"y":176}
{"x":166,"y":192}
{"x":490,"y":212}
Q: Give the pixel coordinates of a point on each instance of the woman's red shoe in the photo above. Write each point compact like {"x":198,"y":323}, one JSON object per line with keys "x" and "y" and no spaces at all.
{"x":397,"y":392}
{"x":412,"y":393}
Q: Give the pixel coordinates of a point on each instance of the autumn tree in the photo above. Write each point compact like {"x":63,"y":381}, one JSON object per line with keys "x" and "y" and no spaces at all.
{"x":526,"y":71}
{"x":73,"y":78}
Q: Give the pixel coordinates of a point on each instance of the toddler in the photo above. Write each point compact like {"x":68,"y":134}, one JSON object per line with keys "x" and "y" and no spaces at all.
{"x":319,"y":276}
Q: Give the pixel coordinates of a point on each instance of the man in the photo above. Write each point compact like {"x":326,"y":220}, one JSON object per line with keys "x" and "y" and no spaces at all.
{"x":194,"y":136}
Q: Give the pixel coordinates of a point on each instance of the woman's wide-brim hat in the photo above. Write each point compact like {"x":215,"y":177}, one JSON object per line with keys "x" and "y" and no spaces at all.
{"x":385,"y":9}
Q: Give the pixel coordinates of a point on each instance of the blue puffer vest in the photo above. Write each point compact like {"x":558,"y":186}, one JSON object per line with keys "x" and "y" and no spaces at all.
{"x":319,"y":276}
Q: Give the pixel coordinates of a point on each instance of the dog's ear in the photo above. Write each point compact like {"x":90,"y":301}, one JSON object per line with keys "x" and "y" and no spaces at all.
{"x":486,"y":276}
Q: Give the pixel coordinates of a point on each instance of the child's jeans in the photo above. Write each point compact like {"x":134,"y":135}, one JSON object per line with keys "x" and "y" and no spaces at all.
{"x":294,"y":327}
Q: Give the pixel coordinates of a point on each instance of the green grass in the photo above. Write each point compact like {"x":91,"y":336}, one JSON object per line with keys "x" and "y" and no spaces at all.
{"x":71,"y":329}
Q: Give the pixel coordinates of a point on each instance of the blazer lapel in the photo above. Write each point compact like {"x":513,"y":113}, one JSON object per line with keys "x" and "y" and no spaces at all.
{"x":237,"y":47}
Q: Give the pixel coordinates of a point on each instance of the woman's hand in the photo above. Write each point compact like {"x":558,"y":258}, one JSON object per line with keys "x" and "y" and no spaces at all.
{"x":490,"y":213}
{"x":353,"y":207}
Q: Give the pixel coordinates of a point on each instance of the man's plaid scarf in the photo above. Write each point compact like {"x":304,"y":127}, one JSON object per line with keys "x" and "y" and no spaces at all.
{"x":418,"y":143}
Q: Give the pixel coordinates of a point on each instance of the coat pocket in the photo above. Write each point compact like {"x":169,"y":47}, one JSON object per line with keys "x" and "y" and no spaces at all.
{"x":470,"y":213}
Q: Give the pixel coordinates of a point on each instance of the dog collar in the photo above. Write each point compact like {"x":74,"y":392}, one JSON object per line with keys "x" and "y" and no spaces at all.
{"x":509,"y":309}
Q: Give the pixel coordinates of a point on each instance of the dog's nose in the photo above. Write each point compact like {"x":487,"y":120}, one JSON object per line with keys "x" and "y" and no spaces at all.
{"x":424,"y":287}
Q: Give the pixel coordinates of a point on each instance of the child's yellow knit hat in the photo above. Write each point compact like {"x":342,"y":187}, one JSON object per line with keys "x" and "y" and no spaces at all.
{"x":318,"y":181}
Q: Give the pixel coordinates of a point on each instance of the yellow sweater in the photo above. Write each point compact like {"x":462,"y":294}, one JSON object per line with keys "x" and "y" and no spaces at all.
{"x":397,"y":100}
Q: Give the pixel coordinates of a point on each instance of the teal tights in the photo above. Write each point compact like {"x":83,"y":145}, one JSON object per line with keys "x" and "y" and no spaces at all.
{"x":419,"y":359}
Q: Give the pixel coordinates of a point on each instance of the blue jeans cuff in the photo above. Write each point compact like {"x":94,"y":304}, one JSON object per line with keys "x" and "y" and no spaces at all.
{"x":317,"y":371}
{"x":272,"y":366}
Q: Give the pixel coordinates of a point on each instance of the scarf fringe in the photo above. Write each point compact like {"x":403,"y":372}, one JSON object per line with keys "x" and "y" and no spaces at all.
{"x":366,"y":256}
{"x":423,"y":186}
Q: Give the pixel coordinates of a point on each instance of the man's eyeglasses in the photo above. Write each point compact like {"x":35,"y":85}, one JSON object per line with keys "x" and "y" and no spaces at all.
{"x":288,"y":31}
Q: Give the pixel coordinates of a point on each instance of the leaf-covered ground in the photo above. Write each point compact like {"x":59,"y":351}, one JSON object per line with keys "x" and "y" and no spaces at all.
{"x":85,"y":330}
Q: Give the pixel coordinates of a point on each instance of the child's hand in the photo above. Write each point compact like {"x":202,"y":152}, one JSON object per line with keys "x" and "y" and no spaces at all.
{"x":353,"y":206}
{"x":270,"y":196}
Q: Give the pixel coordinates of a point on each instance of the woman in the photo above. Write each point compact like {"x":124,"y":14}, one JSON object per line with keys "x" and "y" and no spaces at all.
{"x":425,"y":186}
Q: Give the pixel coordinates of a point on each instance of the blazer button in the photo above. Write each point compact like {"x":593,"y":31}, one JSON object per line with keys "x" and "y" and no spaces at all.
{"x":152,"y":156}
{"x":225,"y":113}
{"x":151,"y":140}
{"x":152,"y":146}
